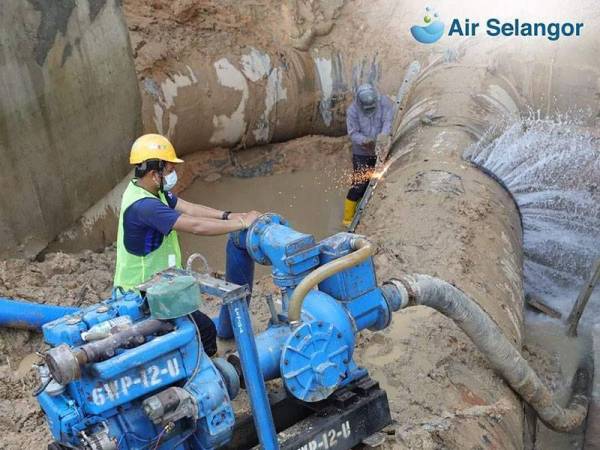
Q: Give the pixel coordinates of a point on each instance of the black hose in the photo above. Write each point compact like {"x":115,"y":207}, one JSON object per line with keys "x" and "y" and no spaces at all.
{"x":42,"y":387}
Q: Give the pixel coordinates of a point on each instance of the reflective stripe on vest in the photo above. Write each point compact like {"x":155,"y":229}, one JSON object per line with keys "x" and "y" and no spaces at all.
{"x":132,"y":270}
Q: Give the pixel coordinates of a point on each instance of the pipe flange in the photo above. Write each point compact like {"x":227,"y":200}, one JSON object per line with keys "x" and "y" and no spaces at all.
{"x":255,"y":230}
{"x":287,"y":281}
{"x":412,"y":296}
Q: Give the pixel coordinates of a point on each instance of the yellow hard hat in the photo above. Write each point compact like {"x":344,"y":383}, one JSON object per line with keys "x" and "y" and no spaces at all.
{"x":152,"y":146}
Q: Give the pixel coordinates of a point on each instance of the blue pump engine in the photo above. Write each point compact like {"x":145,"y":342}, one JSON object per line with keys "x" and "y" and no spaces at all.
{"x":149,"y":385}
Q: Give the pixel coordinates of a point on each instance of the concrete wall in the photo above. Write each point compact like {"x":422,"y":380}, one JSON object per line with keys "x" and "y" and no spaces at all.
{"x":69,"y":110}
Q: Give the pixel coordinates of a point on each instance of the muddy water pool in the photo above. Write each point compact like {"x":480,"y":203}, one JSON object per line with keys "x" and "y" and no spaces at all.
{"x":311,"y":201}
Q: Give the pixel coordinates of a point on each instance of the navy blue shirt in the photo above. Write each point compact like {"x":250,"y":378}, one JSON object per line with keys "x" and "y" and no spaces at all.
{"x":146,"y":222}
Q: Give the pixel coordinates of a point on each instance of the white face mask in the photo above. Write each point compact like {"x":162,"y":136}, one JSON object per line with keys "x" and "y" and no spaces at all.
{"x":169,"y":181}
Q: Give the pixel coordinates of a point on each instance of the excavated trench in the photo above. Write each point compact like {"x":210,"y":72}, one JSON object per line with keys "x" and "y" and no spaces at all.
{"x":227,"y":75}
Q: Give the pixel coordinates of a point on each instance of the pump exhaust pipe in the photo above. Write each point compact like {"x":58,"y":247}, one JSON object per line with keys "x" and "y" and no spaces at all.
{"x":504,"y":358}
{"x":65,"y":363}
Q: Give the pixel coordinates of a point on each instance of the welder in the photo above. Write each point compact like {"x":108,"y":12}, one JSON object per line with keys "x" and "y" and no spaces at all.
{"x":150,"y":217}
{"x":369,"y":122}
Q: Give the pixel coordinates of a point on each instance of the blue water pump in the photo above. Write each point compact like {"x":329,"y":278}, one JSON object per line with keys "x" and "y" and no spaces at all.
{"x":146,"y":383}
{"x":329,"y":294}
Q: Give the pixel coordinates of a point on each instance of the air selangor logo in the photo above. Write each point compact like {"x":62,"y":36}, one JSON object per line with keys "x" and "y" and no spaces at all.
{"x":432,"y":32}
{"x":434,"y":28}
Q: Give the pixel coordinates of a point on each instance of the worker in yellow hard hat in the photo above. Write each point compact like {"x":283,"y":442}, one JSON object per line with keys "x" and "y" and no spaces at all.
{"x":151,"y":215}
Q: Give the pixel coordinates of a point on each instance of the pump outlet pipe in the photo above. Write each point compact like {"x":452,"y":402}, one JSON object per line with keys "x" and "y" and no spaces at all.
{"x":501,"y":354}
{"x":363,"y":250}
{"x":28,"y":315}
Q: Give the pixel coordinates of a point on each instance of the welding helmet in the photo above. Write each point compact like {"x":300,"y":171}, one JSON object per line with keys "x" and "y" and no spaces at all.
{"x":367,"y":97}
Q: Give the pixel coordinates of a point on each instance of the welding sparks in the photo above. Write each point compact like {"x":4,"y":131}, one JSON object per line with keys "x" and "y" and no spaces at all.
{"x":380,"y":173}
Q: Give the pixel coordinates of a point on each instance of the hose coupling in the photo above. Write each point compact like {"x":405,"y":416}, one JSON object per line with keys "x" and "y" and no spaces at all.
{"x":396,"y":294}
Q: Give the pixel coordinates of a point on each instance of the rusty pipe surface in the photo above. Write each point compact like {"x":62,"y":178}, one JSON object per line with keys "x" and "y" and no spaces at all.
{"x":502,"y":355}
{"x":434,"y":213}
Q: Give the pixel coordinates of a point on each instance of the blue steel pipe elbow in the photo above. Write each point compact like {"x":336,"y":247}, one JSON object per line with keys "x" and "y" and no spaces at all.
{"x":270,"y":241}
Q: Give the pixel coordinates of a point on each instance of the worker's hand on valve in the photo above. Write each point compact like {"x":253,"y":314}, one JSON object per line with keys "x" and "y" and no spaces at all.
{"x":251,"y":216}
{"x":246,"y":218}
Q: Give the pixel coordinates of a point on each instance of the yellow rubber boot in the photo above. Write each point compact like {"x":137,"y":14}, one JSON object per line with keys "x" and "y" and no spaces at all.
{"x":349,"y":210}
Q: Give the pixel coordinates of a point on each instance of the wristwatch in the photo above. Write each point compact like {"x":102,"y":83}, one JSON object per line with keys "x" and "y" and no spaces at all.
{"x":225,"y":215}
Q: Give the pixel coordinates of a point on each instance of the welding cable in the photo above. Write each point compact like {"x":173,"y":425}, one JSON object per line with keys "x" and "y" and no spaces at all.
{"x":200,"y":353}
{"x":42,"y":387}
{"x":124,"y":424}
{"x":186,"y":436}
{"x":133,"y":435}
{"x":160,"y":436}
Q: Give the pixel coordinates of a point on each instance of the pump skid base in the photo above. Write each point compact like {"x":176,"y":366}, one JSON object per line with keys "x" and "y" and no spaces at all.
{"x":341,"y":422}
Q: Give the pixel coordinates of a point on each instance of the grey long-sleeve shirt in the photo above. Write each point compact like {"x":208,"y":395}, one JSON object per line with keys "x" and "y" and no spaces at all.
{"x":362,"y":127}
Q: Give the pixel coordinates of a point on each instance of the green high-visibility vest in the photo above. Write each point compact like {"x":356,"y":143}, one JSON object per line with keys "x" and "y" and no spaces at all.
{"x":132,"y":270}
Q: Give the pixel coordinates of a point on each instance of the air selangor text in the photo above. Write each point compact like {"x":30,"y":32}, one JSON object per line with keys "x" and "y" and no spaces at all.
{"x":495,"y":27}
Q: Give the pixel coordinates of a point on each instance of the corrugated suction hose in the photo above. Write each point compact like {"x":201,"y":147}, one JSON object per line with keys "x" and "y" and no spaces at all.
{"x":501,"y":354}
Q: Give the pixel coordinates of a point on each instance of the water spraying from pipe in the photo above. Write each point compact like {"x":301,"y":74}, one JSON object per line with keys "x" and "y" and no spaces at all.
{"x":549,"y":167}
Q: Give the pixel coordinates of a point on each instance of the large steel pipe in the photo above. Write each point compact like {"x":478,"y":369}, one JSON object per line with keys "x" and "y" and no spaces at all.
{"x":436,"y":214}
{"x":251,"y":97}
